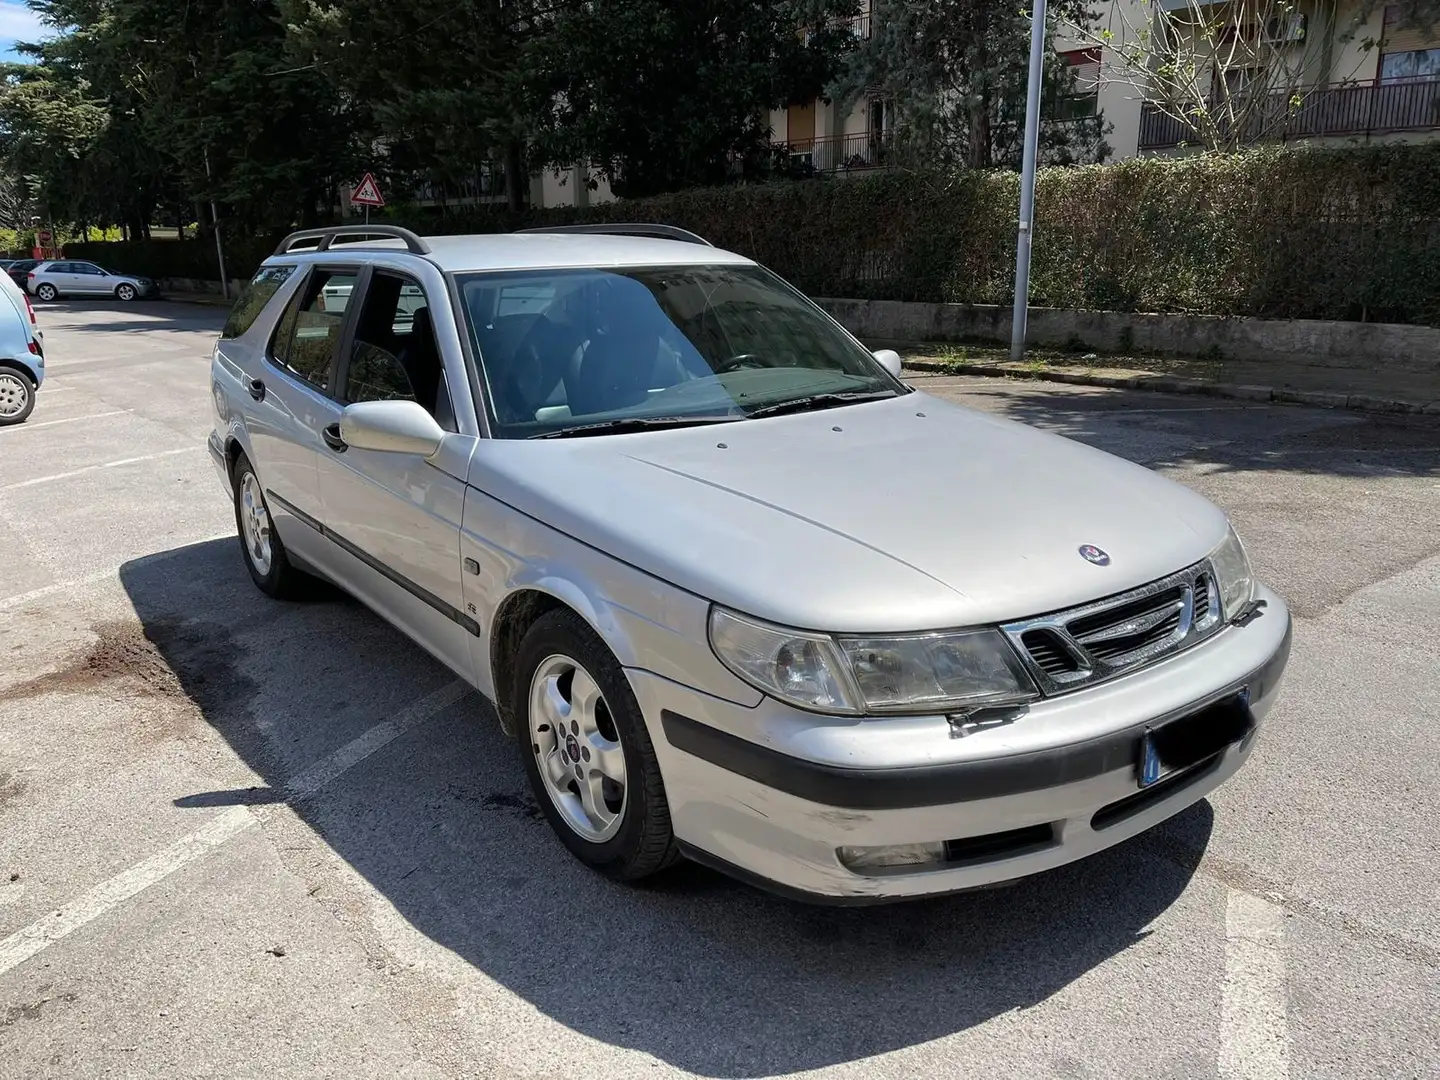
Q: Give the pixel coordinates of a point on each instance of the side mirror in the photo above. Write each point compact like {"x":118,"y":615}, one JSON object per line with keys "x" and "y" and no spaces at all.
{"x":889,"y":360}
{"x":396,"y":427}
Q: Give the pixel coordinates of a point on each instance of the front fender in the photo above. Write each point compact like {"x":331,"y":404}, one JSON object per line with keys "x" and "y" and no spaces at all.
{"x":647,"y":623}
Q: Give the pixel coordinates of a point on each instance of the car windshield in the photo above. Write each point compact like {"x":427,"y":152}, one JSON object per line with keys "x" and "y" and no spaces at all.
{"x":610,"y":350}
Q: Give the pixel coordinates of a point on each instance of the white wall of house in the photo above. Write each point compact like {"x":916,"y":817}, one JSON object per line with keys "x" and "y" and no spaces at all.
{"x":1353,"y":62}
{"x":568,"y":187}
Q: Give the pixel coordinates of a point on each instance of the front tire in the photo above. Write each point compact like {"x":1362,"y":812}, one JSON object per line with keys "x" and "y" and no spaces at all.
{"x":260,"y":544}
{"x":17,"y":395}
{"x":47,"y":292}
{"x":126,"y":292}
{"x":587,"y":751}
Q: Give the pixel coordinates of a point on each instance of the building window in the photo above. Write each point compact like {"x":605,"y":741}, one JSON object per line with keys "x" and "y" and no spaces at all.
{"x":1080,"y":91}
{"x":1417,"y":64}
{"x":881,"y":115}
{"x":1408,"y":53}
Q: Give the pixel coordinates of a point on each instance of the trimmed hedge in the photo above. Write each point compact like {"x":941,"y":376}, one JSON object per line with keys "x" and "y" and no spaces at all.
{"x":1351,"y":233}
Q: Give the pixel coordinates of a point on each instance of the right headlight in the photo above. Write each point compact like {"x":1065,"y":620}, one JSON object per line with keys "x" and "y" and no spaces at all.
{"x":1232,"y":574}
{"x":943,"y":671}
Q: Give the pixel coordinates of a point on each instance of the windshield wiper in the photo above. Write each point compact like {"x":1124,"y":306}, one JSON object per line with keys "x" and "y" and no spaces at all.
{"x":820,"y":401}
{"x":628,"y":424}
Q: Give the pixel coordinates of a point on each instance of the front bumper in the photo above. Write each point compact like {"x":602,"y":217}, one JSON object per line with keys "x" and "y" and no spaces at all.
{"x":772,"y":794}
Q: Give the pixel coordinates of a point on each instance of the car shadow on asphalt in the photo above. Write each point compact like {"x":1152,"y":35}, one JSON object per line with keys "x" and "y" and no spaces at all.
{"x":149,"y":316}
{"x":699,"y":971}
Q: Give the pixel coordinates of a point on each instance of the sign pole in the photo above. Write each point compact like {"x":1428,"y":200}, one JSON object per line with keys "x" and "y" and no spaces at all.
{"x":1021,"y":310}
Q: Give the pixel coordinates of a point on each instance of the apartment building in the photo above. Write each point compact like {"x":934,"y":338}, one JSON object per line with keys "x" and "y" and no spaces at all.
{"x":1348,"y":79}
{"x":1316,"y":71}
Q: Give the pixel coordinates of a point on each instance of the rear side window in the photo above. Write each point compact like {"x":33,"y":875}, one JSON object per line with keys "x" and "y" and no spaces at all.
{"x":253,"y":299}
{"x":306,"y":339}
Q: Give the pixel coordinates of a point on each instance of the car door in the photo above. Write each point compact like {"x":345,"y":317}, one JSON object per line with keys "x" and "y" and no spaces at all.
{"x":88,"y":279}
{"x":58,"y":274}
{"x":290,"y":402}
{"x":397,"y":516}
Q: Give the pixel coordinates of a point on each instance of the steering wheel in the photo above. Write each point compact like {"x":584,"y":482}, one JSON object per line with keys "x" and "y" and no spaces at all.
{"x":743,"y":360}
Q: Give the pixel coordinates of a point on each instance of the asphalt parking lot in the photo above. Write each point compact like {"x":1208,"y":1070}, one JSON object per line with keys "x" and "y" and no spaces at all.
{"x":248,"y":839}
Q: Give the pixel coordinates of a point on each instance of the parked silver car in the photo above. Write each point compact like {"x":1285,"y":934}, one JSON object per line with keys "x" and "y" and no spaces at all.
{"x":22,"y":354}
{"x":73,"y":277}
{"x":739,"y":591}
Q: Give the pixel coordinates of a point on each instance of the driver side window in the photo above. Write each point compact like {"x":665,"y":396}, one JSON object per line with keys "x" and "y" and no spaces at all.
{"x":395,"y":355}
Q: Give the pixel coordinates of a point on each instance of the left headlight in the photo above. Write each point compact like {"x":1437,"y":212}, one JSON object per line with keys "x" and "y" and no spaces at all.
{"x":1232,"y":574}
{"x":928,"y":672}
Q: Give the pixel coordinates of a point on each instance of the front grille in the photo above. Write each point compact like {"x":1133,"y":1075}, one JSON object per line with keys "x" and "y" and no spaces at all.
{"x":1085,"y":645}
{"x":1137,"y":625}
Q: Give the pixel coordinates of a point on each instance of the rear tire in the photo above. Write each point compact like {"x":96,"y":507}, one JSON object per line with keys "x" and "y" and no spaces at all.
{"x":47,"y":292}
{"x":17,"y":395}
{"x":568,"y":738}
{"x":260,"y":544}
{"x":126,"y":291}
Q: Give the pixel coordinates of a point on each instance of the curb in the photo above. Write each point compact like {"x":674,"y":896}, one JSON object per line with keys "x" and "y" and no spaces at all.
{"x":1172,"y":384}
{"x":200,"y":301}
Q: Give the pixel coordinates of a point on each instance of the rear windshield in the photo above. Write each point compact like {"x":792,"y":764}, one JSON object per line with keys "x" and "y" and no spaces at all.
{"x":253,"y":299}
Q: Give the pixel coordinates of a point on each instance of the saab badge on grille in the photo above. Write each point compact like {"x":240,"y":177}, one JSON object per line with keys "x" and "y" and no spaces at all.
{"x":1093,"y":554}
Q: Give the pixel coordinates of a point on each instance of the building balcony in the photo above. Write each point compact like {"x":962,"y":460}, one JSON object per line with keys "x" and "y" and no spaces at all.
{"x":858,"y":25}
{"x":837,"y":153}
{"x":1378,"y":108}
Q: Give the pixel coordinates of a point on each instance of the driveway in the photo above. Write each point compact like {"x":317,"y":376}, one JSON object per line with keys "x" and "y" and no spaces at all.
{"x":245,"y":838}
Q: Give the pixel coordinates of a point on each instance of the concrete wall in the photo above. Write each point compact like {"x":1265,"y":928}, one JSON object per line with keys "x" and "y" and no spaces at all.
{"x":1308,"y":341}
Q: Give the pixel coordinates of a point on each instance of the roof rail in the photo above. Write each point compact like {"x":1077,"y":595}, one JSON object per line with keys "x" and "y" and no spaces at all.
{"x":622,"y":228}
{"x":329,"y":234}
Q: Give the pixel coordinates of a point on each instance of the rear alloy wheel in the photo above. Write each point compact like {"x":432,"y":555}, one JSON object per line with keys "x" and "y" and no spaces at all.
{"x":126,"y":291}
{"x":265,"y":556}
{"x":587,"y":752}
{"x":47,"y":292}
{"x":17,"y":395}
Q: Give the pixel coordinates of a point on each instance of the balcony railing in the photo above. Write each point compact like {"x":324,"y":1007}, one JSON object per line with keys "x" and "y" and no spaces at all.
{"x":1368,"y":109}
{"x":485,"y":184}
{"x":838,"y":153}
{"x":859,"y":25}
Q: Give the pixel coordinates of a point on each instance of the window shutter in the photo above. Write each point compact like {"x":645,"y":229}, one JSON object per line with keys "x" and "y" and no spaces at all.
{"x":1409,"y":40}
{"x":1085,"y":63}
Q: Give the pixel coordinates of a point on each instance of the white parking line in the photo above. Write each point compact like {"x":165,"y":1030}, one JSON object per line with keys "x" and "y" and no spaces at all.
{"x":96,"y":468}
{"x":109,"y":894}
{"x":1254,"y":1034}
{"x":41,"y":934}
{"x":74,"y":419}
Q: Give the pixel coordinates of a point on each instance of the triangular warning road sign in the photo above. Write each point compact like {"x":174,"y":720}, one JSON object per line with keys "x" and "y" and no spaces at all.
{"x":367,"y":192}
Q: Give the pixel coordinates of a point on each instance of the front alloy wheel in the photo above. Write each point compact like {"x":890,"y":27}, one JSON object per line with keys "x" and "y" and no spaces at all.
{"x":126,"y":291}
{"x":587,"y":752}
{"x":577,"y":748}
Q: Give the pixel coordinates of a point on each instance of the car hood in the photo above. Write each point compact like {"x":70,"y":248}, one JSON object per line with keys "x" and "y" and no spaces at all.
{"x":903,"y":514}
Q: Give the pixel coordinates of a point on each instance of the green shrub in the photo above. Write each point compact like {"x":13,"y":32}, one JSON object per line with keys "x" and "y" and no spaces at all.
{"x":1281,"y":232}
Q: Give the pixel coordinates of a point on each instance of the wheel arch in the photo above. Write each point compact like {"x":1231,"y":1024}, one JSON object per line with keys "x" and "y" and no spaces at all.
{"x":519,"y":611}
{"x":24,"y":367}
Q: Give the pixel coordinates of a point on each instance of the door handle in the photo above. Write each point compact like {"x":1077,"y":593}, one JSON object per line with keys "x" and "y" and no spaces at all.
{"x":333,"y":440}
{"x":256,"y":388}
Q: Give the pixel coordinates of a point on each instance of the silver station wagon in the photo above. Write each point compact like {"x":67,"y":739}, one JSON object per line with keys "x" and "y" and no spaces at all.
{"x":740,"y":593}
